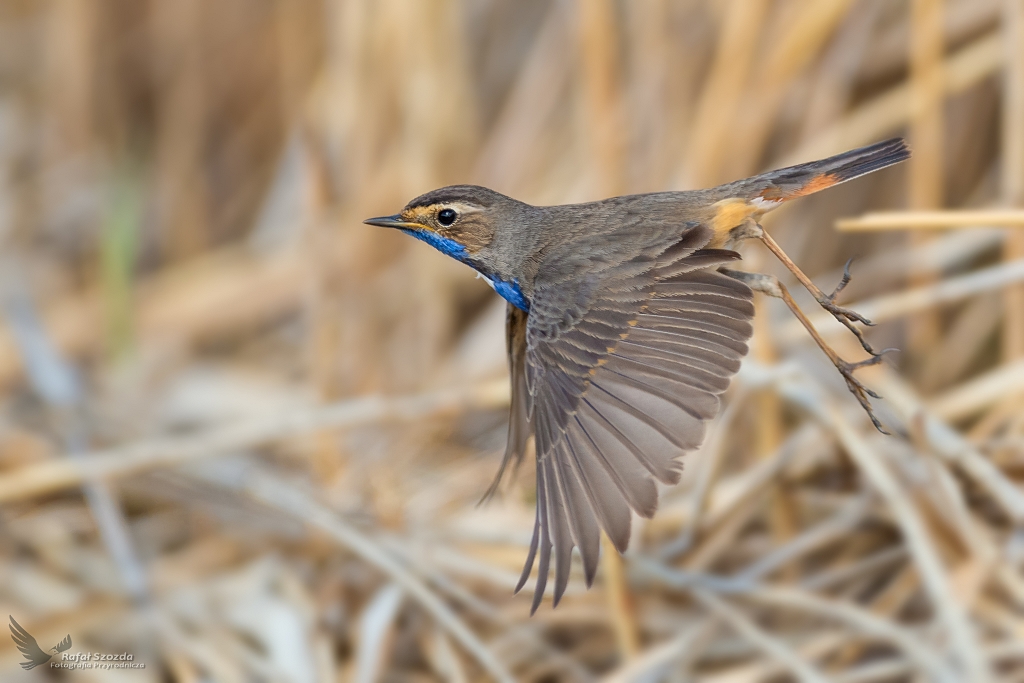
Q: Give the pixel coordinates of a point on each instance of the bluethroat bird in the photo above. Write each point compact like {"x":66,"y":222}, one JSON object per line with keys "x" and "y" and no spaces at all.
{"x":624,"y":326}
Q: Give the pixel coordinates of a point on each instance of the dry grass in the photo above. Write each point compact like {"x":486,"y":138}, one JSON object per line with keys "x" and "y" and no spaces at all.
{"x":242,"y":435}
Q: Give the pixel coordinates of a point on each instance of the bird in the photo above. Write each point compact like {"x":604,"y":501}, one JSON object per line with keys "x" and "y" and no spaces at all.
{"x":624,"y":326}
{"x":34,"y":656}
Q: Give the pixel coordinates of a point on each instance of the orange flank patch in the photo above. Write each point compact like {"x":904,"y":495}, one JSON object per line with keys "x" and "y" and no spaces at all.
{"x":816,"y":184}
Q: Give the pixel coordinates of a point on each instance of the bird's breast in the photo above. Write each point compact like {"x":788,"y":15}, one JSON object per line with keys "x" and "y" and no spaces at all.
{"x":508,"y":290}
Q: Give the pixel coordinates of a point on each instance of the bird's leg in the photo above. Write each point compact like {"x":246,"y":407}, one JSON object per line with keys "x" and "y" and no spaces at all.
{"x":770,"y":285}
{"x":826,"y":301}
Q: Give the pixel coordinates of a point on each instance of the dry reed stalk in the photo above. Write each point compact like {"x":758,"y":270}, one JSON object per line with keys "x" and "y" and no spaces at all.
{"x":714,"y":119}
{"x":321,"y":308}
{"x":503,"y":161}
{"x":758,"y":637}
{"x":205,"y":297}
{"x":620,"y":602}
{"x":860,"y":619}
{"x":269,"y":490}
{"x":70,"y":76}
{"x":886,"y":113}
{"x":948,"y":444}
{"x":985,"y":429}
{"x":918,"y":539}
{"x":664,"y":655}
{"x":182,"y":109}
{"x":1005,"y":382}
{"x":600,"y":57}
{"x":723,"y":531}
{"x":884,"y":271}
{"x":811,"y":539}
{"x":55,"y":475}
{"x":788,"y":55}
{"x":932,"y":220}
{"x":965,"y":341}
{"x":926,"y":182}
{"x":59,"y":387}
{"x":1012,"y":171}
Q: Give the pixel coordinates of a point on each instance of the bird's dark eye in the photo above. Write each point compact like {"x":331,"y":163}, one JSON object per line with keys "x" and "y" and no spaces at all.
{"x":446,"y":216}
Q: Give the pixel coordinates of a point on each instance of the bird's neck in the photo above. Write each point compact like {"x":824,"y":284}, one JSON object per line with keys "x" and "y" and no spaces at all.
{"x":509,"y":290}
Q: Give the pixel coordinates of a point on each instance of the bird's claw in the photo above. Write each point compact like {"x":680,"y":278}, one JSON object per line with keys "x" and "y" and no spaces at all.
{"x":858,"y":389}
{"x":846,"y":316}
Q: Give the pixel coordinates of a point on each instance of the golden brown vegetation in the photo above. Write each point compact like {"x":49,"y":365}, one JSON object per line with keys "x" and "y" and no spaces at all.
{"x":242,"y":435}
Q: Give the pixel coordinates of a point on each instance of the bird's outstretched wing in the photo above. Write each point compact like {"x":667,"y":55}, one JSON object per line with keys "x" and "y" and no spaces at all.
{"x":64,"y":644}
{"x":518,"y":420}
{"x":623,"y":368}
{"x":28,"y":646}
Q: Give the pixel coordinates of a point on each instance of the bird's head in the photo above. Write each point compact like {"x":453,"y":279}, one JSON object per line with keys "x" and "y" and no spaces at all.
{"x":459,"y":220}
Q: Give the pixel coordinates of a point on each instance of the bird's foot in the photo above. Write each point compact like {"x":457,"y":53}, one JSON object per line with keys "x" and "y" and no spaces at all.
{"x":771,"y":286}
{"x":847,"y":316}
{"x":857,"y":388}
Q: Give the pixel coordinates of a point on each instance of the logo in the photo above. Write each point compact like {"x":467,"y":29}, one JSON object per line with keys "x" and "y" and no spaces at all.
{"x":34,"y":656}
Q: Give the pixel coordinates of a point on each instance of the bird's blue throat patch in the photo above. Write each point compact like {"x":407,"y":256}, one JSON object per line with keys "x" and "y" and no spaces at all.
{"x":508,"y":290}
{"x":442,"y":244}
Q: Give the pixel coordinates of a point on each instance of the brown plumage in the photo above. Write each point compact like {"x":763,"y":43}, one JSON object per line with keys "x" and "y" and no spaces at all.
{"x":622,"y":333}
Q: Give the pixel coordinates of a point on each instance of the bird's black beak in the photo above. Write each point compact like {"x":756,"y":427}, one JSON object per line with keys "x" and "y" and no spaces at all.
{"x":391,"y":222}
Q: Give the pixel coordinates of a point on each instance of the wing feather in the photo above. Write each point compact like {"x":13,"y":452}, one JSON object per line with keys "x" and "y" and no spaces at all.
{"x":558,"y":521}
{"x":518,"y":419}
{"x":624,"y":366}
{"x":608,"y":505}
{"x":544,"y":564}
{"x":586,"y":534}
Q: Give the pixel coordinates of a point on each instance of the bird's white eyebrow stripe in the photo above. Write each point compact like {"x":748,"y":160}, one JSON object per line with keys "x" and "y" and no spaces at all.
{"x":462,"y":208}
{"x":431,"y":209}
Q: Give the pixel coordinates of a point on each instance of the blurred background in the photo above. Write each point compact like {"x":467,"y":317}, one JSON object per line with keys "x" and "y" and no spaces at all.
{"x":243,"y":436}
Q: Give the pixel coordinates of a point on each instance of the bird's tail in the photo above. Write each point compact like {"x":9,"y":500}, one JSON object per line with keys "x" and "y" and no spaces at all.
{"x":804,"y":179}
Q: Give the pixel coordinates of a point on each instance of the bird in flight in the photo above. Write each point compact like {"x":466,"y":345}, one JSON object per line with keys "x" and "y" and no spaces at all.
{"x":624,"y":325}
{"x":34,"y":656}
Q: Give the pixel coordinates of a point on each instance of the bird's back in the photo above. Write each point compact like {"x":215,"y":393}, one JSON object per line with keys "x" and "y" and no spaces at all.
{"x":628,"y":226}
{"x":598,"y":235}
